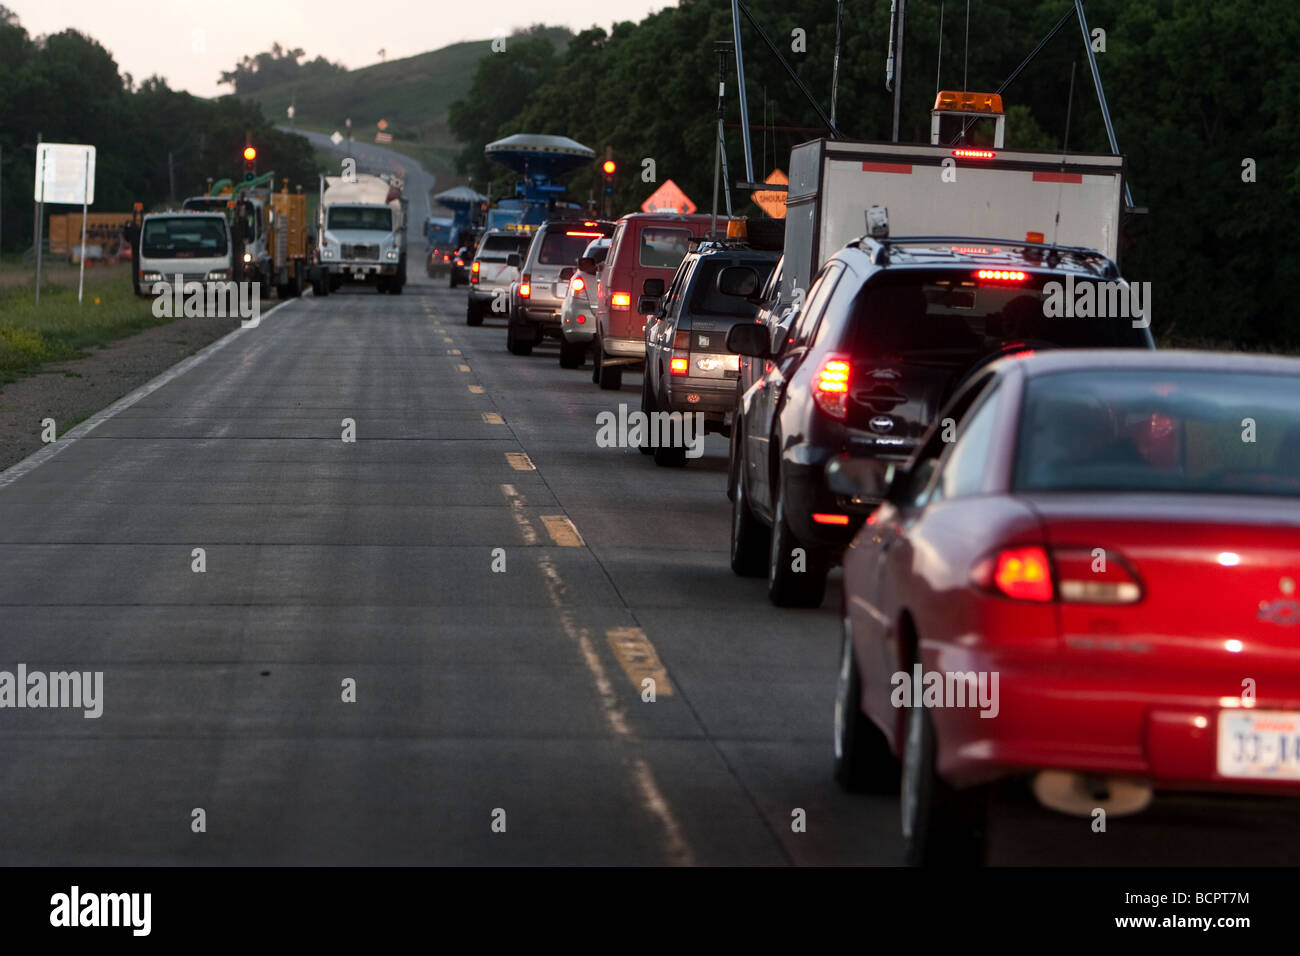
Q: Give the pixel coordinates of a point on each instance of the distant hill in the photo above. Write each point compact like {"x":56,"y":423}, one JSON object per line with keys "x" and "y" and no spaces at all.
{"x":412,"y":94}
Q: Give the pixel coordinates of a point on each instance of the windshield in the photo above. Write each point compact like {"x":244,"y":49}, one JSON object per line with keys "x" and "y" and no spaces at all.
{"x":597,"y":251}
{"x":184,"y":237}
{"x":498,"y":248}
{"x":663,"y":248}
{"x":950,"y":317}
{"x":374,"y":218}
{"x":1148,"y":430}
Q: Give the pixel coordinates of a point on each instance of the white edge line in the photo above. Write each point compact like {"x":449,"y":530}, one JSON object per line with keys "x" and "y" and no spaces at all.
{"x":40,"y":457}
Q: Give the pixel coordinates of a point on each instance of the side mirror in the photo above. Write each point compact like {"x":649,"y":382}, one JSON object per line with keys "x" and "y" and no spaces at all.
{"x":751,"y":339}
{"x":653,"y":287}
{"x":587,"y":264}
{"x":862,"y":478}
{"x":566,"y":273}
{"x":513,"y":260}
{"x":738,"y":280}
{"x":648,"y":305}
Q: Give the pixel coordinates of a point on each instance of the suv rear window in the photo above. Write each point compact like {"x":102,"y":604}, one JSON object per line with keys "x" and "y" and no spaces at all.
{"x":663,"y":248}
{"x":947,"y":317}
{"x":707,"y":300}
{"x":500,"y":247}
{"x":559,"y":249}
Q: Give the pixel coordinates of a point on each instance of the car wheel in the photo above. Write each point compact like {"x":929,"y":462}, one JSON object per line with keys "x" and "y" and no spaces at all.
{"x":609,"y":377}
{"x":515,"y":344}
{"x":749,"y":536}
{"x":597,"y":356}
{"x":381,"y":285}
{"x":793,"y":580}
{"x":572,"y":354}
{"x":648,"y":407}
{"x":863,"y":761}
{"x":941,"y":826}
{"x":473,"y":313}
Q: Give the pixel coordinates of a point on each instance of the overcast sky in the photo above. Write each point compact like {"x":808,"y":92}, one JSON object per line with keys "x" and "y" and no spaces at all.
{"x":191,"y":43}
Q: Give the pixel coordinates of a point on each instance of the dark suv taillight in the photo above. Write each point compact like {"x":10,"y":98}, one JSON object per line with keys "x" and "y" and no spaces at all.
{"x":831,"y":386}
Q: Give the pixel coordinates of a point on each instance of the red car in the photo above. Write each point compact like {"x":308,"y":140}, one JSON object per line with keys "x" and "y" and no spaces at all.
{"x":1087,"y":577}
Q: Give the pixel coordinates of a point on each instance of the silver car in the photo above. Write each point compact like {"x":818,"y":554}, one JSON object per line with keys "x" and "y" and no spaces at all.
{"x":577,"y":315}
{"x":491,"y":273}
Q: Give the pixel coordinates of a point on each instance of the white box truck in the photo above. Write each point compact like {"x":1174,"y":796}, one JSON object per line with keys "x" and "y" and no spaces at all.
{"x":931,"y":190}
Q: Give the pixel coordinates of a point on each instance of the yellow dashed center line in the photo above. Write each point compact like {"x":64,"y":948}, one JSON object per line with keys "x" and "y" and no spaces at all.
{"x":453,"y":351}
{"x":476,"y":389}
{"x":492,"y":418}
{"x":447,"y":339}
{"x":562,"y":531}
{"x":519,"y":461}
{"x":463,"y":368}
{"x":638,"y":658}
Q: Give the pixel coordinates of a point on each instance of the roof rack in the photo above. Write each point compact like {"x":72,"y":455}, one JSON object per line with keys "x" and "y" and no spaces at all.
{"x":1052,"y":254}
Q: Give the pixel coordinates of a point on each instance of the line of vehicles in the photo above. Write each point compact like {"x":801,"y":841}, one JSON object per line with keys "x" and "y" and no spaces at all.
{"x":1029,"y":505}
{"x":251,"y":232}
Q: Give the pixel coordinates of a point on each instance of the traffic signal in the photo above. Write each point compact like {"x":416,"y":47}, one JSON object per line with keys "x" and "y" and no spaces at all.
{"x":250,"y":161}
{"x":609,"y":167}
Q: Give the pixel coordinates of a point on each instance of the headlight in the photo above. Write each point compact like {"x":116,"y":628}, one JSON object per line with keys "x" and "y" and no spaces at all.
{"x":394,"y":253}
{"x":327,"y":253}
{"x":151,"y":277}
{"x":219,"y":274}
{"x":248,"y":257}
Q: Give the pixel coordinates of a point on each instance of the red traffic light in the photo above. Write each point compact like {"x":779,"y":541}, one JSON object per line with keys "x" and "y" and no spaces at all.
{"x":250,"y":153}
{"x":609,"y":167}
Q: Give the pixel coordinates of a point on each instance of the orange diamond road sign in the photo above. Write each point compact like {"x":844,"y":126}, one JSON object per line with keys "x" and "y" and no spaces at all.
{"x":668,"y":198}
{"x":769,"y":200}
{"x":382,"y":124}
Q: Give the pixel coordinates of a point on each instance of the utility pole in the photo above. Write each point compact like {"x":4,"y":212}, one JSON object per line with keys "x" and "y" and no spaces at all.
{"x":835,"y":71}
{"x":723,"y":47}
{"x":171,"y":179}
{"x":894,"y":70}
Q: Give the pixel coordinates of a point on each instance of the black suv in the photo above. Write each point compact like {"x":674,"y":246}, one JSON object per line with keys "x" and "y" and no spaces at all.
{"x":889,"y":330}
{"x":688,"y":368}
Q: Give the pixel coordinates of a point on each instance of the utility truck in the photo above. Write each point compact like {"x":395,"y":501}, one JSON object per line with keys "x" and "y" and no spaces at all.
{"x":362,"y":234}
{"x":1063,"y":199}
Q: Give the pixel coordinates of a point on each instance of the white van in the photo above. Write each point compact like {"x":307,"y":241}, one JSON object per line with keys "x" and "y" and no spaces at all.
{"x":194,"y":245}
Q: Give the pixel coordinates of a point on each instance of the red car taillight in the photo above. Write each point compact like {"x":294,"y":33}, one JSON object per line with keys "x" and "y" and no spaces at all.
{"x":680,"y":363}
{"x":831,"y":386}
{"x":474,"y":268}
{"x":577,"y":284}
{"x":446,"y":258}
{"x":620,"y":300}
{"x":525,"y":285}
{"x":1068,"y":575}
{"x":460,"y":263}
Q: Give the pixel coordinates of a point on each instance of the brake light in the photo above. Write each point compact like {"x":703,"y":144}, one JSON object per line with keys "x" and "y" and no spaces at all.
{"x":1023,"y":574}
{"x":474,"y":268}
{"x":459,"y":263}
{"x":589,"y":224}
{"x":974,"y":153}
{"x":831,"y":386}
{"x":1001,"y":275}
{"x":577,"y":284}
{"x":446,"y":258}
{"x":525,"y":285}
{"x":582,"y":319}
{"x":830,"y":519}
{"x":589,"y":235}
{"x":679,"y":366}
{"x":620,"y":300}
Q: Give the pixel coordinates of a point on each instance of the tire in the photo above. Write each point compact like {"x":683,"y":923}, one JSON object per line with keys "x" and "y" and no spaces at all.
{"x":514,"y":344}
{"x":282,"y":291}
{"x":335,"y":283}
{"x":381,"y":285}
{"x":397,"y":285}
{"x":298,"y":283}
{"x":863,"y":761}
{"x":671,"y":457}
{"x":572,"y":354}
{"x":399,"y":282}
{"x":787,"y":587}
{"x":473,"y":313}
{"x":648,"y":407}
{"x":597,"y":357}
{"x":941,"y":826}
{"x":749,"y":536}
{"x":609,"y":377}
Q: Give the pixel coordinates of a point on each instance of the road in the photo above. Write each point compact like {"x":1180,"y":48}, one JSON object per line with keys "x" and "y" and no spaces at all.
{"x":419,"y":182}
{"x":482,"y":695}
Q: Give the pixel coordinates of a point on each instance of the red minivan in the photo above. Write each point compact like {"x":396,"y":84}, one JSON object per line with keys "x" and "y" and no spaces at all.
{"x":644,"y":253}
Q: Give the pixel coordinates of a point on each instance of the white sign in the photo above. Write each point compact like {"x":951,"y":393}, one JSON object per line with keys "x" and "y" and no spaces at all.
{"x":290,"y":111}
{"x":68,"y":178}
{"x":335,"y":138}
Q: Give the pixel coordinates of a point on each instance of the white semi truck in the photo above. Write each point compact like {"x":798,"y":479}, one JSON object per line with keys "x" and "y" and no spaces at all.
{"x":362,"y":232}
